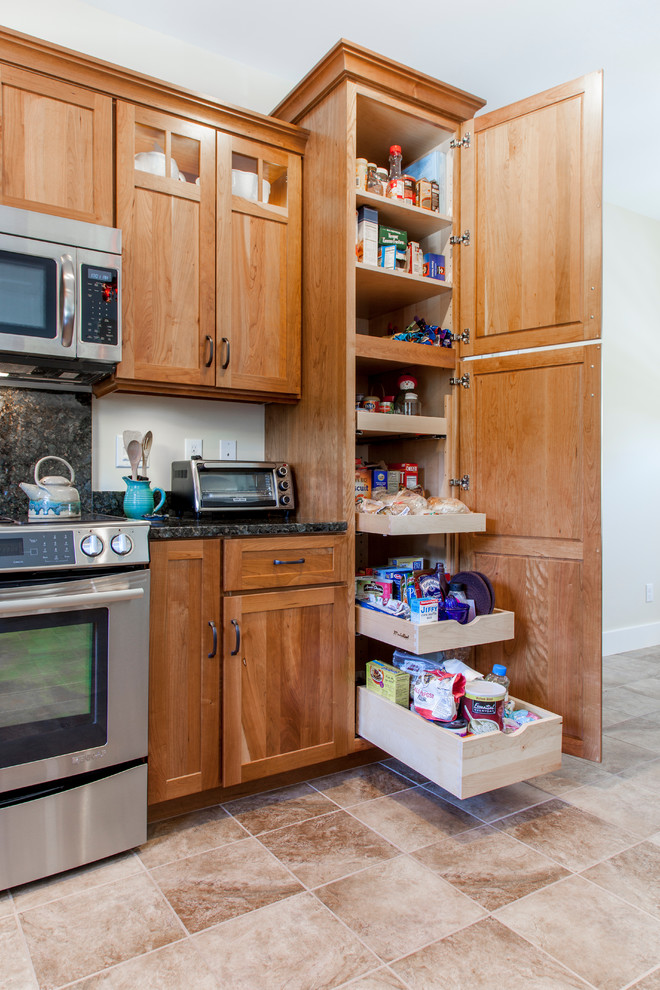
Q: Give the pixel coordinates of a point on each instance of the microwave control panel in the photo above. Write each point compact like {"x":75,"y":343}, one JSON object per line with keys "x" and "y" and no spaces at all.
{"x":99,"y":297}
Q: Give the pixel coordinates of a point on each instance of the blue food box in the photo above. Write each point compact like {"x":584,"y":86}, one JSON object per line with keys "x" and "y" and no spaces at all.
{"x":378,"y":478}
{"x":434,"y":266}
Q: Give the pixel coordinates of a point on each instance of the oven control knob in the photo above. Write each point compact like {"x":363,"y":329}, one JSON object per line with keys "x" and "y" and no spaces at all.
{"x":281,"y":471}
{"x":92,"y":545}
{"x":121,"y":544}
{"x":285,"y":499}
{"x":283,"y":486}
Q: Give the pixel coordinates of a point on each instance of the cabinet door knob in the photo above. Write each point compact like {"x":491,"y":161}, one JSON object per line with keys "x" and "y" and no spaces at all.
{"x":207,"y":364}
{"x":225,"y":363}
{"x":237,"y":630}
{"x":214,"y":649}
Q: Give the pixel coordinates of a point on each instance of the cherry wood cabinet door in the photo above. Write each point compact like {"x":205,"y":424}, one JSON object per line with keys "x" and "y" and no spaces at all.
{"x":56,"y":147}
{"x":168,"y":224}
{"x":531,"y":199}
{"x":258,"y":267}
{"x":530,"y":441}
{"x":184,"y":673}
{"x":285,"y":659}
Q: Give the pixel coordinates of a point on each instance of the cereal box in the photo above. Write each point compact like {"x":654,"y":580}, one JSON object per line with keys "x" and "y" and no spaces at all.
{"x":390,"y":683}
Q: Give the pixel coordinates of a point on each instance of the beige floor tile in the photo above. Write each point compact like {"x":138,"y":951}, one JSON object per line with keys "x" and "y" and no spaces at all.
{"x":482,"y":957}
{"x":572,"y":773}
{"x":642,"y":731}
{"x":296,"y":944}
{"x":79,"y":935}
{"x":567,"y":834}
{"x":622,"y":802}
{"x":349,"y":787}
{"x":648,"y":687}
{"x":175,"y":967}
{"x":276,"y":809}
{"x":651,"y":982}
{"x":619,"y":755}
{"x":592,"y":932}
{"x":496,"y":804}
{"x":633,"y":875}
{"x":489,"y":866}
{"x":644,"y":774}
{"x":16,"y":971}
{"x":223,"y":883}
{"x":187,"y":835}
{"x":380,"y":979}
{"x":405,"y":771}
{"x":324,"y":849}
{"x":31,"y":895}
{"x":623,"y":703}
{"x":414,"y":818}
{"x":415,"y":906}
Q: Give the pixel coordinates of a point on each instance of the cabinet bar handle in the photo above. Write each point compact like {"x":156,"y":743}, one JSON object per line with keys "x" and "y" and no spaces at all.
{"x":207,"y":364}
{"x":237,"y":630}
{"x":225,"y":363}
{"x":301,"y":561}
{"x":214,"y":650}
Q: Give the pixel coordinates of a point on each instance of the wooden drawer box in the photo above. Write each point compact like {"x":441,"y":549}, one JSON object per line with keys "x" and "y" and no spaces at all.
{"x":430,"y":636}
{"x":468,"y":765}
{"x":284,"y":562}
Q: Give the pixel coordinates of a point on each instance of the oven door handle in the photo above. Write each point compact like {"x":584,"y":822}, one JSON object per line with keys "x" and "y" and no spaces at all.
{"x":69,"y":601}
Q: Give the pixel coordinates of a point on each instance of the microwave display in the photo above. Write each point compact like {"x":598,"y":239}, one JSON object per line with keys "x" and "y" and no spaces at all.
{"x":28,"y":293}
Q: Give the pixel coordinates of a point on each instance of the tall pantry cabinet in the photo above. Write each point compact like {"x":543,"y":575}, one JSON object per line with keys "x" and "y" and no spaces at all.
{"x":511,"y":413}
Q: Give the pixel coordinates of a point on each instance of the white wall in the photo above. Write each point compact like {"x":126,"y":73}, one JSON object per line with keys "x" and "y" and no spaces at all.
{"x":631,"y":429}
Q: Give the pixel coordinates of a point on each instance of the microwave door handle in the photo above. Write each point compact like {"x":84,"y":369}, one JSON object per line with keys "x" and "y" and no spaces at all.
{"x":67,"y":299}
{"x":42,"y":603}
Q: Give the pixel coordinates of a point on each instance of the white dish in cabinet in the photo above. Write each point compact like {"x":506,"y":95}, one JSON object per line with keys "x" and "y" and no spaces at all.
{"x":467,"y":765}
{"x":431,"y":636}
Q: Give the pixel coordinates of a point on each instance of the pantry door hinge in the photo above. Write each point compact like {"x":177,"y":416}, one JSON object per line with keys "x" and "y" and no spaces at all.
{"x":463,"y":337}
{"x":464,"y":380}
{"x":463,"y":239}
{"x":463,"y":142}
{"x":463,"y":482}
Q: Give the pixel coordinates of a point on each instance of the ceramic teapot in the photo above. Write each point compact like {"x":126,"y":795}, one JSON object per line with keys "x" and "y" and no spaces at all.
{"x":52,"y":497}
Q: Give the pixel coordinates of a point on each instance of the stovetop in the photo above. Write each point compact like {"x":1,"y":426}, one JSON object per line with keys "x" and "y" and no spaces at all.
{"x":86,"y":519}
{"x":92,"y":541}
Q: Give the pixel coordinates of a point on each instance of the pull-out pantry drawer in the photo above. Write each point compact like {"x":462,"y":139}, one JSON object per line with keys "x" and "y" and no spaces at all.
{"x":284,"y":562}
{"x":463,"y":765}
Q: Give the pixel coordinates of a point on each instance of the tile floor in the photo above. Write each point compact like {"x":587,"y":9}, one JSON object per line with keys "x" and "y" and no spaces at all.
{"x":373,"y":878}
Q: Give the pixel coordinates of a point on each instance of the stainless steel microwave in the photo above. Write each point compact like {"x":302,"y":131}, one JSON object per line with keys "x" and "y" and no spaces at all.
{"x":204,"y":487}
{"x":60,"y":297}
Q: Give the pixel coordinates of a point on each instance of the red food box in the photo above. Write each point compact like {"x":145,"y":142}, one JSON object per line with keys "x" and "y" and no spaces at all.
{"x":409,"y":473}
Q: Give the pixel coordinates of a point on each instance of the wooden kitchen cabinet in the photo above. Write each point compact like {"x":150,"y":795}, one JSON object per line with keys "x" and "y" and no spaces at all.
{"x":184,"y":668}
{"x":56,"y":147}
{"x":285,"y":657}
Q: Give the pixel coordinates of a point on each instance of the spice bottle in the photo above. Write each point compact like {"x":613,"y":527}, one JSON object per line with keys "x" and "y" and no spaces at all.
{"x":374,"y":184}
{"x":498,"y":675}
{"x":395,"y":189}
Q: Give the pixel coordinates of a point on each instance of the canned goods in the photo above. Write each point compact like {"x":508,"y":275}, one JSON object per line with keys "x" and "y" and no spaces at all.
{"x":386,"y":406}
{"x":409,"y":188}
{"x":371,"y":403}
{"x":435,"y":197}
{"x":423,"y":198}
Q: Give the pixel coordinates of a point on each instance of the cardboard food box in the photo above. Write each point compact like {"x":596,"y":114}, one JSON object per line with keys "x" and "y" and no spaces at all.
{"x":434,"y":266}
{"x":367,"y":236}
{"x":362,"y":482}
{"x":389,"y":682}
{"x":409,"y":474}
{"x":423,"y":610}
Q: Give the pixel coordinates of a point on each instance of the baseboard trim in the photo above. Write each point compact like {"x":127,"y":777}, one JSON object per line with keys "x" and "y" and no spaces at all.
{"x":631,"y":638}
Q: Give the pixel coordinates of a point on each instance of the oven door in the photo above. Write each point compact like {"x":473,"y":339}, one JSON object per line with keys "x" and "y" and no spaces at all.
{"x":74,"y":658}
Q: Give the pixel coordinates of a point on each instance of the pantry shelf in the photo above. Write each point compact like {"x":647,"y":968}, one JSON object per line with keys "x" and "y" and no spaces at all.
{"x":417,"y":223}
{"x":468,"y":765}
{"x":447,"y":522}
{"x":431,"y":636}
{"x":382,"y":424}
{"x":374,"y":354}
{"x":380,"y":290}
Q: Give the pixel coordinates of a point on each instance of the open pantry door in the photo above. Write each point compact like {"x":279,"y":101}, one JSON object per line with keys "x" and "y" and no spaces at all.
{"x":530,"y":421}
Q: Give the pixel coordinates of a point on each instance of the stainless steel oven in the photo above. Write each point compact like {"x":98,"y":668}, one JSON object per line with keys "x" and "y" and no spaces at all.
{"x":74,"y":649}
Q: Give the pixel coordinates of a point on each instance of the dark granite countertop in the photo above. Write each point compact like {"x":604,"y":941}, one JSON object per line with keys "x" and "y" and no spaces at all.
{"x":173,"y":528}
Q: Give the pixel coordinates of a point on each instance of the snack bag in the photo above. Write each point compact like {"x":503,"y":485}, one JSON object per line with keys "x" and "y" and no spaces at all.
{"x":436,"y":695}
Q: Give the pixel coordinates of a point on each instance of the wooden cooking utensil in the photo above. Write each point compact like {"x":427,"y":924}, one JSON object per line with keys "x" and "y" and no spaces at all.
{"x":134,"y":451}
{"x":147,"y":440}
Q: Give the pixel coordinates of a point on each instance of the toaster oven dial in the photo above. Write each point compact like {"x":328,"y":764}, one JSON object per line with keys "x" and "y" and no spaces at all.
{"x":92,"y":545}
{"x":281,"y":471}
{"x":285,"y":499}
{"x":283,"y":486}
{"x":121,"y":544}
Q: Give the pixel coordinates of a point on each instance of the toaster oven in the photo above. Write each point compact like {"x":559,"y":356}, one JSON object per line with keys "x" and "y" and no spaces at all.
{"x":204,"y":487}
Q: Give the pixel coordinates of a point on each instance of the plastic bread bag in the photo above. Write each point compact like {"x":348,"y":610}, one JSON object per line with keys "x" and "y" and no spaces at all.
{"x":363,"y":504}
{"x":414,"y":499}
{"x":437,"y":694}
{"x":437,"y":505}
{"x":413,"y":665}
{"x":455,"y":666}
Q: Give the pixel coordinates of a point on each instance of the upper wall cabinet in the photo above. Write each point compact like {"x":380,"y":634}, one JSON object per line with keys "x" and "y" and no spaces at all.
{"x":56,"y":147}
{"x":166,"y":210}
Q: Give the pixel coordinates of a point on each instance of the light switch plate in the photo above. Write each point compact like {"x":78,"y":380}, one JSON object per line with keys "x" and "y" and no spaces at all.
{"x":227,"y":450}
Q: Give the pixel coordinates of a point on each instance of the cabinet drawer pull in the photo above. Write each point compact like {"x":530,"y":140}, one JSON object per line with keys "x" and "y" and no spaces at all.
{"x":214,"y":649}
{"x":237,"y":630}
{"x":225,"y":363}
{"x":207,"y":364}
{"x":301,"y":561}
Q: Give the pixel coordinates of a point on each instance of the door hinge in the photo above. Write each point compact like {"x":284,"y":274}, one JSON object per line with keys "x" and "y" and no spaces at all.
{"x":464,"y":380}
{"x":463,"y":239}
{"x":463,"y":337}
{"x":463,"y":482}
{"x":463,"y":142}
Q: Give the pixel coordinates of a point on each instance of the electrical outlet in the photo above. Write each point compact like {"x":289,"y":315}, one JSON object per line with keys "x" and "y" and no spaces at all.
{"x":649,"y":592}
{"x":227,"y":450}
{"x":193,"y":448}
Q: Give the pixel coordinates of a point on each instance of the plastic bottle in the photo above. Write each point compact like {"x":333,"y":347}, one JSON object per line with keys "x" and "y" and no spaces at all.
{"x":442,"y":579}
{"x":498,"y":675}
{"x":395,"y":188}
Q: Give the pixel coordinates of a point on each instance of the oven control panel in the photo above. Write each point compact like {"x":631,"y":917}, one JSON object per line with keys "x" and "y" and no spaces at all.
{"x":60,"y":546}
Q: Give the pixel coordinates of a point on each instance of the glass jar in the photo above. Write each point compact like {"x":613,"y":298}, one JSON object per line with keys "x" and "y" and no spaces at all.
{"x":411,"y":404}
{"x":374,"y":184}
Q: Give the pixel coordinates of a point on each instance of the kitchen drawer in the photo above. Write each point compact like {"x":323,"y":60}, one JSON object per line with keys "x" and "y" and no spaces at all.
{"x":284,"y":562}
{"x":426,"y":637}
{"x":468,"y":765}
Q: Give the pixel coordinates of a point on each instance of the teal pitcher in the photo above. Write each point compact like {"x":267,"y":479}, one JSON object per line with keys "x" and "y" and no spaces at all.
{"x":139,"y":499}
